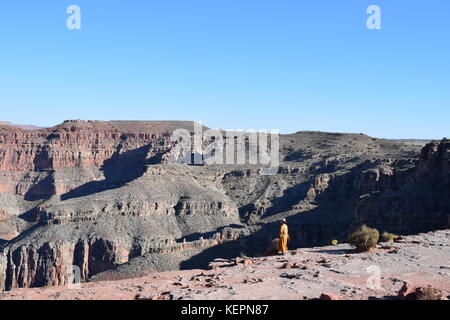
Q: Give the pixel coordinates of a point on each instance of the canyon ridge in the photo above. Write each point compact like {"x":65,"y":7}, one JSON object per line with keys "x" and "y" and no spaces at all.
{"x":107,"y":197}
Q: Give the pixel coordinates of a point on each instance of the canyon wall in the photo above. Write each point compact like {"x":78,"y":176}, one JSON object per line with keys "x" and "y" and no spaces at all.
{"x":105,"y":196}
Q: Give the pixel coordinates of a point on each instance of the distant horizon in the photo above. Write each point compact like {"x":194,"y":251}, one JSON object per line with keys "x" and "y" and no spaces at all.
{"x":37,"y":127}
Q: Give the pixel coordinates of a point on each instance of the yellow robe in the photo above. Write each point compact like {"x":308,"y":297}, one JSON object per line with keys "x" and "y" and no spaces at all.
{"x":283,"y":236}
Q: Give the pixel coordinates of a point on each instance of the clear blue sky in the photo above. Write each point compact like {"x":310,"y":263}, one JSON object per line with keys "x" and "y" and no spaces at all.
{"x":250,"y":64}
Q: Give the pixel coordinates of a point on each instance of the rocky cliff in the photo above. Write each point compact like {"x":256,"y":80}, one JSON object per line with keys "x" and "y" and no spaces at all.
{"x":105,"y":198}
{"x":392,"y":271}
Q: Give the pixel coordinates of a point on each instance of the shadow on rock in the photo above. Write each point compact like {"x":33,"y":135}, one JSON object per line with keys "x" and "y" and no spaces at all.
{"x":120,"y":169}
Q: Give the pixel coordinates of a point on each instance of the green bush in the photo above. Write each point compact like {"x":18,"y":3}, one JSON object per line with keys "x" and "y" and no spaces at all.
{"x":364,"y":238}
{"x":334,"y":242}
{"x":387,"y":237}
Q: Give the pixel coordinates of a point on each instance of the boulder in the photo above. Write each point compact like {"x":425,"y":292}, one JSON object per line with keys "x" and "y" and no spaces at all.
{"x":430,"y":293}
{"x":327,"y":296}
{"x":163,"y":296}
{"x":407,"y":290}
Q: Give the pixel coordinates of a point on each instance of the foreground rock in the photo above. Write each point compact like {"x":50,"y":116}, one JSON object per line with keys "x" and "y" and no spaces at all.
{"x":409,"y":292}
{"x":421,"y":260}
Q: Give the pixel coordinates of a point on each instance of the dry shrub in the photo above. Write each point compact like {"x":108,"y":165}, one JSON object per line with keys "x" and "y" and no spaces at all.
{"x":364,"y":238}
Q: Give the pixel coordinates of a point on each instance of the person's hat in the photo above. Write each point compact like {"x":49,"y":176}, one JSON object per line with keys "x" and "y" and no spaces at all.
{"x":283,"y":220}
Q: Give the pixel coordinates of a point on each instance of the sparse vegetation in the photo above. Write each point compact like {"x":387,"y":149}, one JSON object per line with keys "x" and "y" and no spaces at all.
{"x":273,"y":249}
{"x":243,"y":255}
{"x":428,"y":293}
{"x":364,"y":238}
{"x":387,"y":237}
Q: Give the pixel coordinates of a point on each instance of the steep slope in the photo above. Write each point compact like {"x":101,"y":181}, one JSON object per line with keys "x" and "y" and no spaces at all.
{"x":104,"y":197}
{"x":303,"y":274}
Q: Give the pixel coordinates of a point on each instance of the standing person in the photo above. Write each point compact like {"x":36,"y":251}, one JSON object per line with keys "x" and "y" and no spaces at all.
{"x":283,"y":236}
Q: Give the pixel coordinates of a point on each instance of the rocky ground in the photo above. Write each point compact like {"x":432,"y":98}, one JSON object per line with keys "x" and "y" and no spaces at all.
{"x":336,"y":271}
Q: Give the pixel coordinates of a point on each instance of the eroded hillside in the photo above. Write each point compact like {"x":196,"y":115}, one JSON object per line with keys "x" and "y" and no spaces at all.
{"x":104,"y":196}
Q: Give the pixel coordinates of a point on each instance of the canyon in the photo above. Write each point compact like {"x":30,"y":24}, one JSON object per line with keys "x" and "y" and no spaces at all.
{"x":392,"y":271}
{"x":107,"y":198}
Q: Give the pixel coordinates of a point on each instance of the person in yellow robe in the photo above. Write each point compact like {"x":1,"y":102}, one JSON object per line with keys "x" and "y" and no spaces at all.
{"x":283,"y":237}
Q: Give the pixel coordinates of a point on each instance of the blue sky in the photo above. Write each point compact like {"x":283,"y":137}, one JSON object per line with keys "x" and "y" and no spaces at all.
{"x":234,"y":64}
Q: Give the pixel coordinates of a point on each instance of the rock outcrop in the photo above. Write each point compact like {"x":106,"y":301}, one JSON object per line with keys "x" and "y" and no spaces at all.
{"x":107,"y":198}
{"x":326,"y":273}
{"x":411,"y":200}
